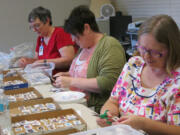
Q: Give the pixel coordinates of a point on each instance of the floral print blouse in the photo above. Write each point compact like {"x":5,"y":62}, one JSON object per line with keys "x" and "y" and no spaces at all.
{"x":161,"y":103}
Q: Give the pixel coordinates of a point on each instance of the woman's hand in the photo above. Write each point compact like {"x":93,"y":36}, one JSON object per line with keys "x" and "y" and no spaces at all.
{"x":134,"y":121}
{"x":22,"y":62}
{"x":103,"y":122}
{"x":63,"y":82}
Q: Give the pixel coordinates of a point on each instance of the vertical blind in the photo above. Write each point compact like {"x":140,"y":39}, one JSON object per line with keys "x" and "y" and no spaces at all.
{"x":147,"y":8}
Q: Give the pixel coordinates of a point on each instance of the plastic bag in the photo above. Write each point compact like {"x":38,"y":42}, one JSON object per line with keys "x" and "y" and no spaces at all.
{"x":120,"y":129}
{"x":4,"y":61}
{"x":22,"y":50}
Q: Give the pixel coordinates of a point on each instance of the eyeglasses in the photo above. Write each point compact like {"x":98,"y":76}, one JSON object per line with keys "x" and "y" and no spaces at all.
{"x":151,"y":52}
{"x":35,"y":26}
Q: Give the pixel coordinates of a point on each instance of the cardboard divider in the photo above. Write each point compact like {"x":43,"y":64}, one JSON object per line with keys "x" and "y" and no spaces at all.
{"x":11,"y":75}
{"x":46,"y":115}
{"x":5,"y":72}
{"x":66,"y":132}
{"x":12,"y":78}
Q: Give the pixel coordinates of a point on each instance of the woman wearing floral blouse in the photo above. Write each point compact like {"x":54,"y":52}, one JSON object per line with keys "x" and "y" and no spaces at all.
{"x":147,"y":93}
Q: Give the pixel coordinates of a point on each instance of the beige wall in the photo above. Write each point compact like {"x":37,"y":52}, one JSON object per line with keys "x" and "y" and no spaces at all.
{"x":14,"y":28}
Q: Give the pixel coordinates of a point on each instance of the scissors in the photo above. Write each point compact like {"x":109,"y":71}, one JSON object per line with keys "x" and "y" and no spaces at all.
{"x":105,"y":116}
{"x":52,"y":79}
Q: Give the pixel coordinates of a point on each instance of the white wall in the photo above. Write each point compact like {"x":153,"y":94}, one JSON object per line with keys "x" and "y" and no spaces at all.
{"x":147,"y":8}
{"x":14,"y":28}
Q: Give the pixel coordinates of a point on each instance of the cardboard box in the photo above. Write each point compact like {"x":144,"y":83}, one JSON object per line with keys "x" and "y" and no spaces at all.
{"x":52,"y":114}
{"x":23,"y":90}
{"x":15,"y":86}
{"x":13,"y":106}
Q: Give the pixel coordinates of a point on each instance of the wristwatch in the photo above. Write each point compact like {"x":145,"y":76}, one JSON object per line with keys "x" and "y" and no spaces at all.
{"x":45,"y":61}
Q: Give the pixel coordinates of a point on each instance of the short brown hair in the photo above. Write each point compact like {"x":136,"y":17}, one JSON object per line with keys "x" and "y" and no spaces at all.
{"x":78,"y":17}
{"x":166,"y":31}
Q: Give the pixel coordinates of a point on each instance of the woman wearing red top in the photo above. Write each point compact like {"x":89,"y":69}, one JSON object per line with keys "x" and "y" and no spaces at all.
{"x":53,"y":44}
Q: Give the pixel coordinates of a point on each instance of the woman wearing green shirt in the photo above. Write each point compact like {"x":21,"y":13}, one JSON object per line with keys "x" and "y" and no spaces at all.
{"x":98,"y":63}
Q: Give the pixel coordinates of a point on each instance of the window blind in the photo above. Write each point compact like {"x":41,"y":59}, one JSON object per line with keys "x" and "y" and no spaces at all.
{"x":147,"y":8}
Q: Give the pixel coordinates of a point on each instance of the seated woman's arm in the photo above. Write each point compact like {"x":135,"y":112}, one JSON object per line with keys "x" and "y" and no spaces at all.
{"x":67,"y":55}
{"x":153,"y":127}
{"x":82,"y":83}
{"x":109,"y":66}
{"x":112,"y":106}
{"x":23,"y":61}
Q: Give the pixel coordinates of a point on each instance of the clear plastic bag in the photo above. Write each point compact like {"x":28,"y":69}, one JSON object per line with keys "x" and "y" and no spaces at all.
{"x":22,"y":50}
{"x":120,"y":129}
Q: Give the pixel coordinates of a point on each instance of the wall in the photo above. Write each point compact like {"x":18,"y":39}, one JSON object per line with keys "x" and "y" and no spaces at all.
{"x":14,"y":28}
{"x":147,"y":8}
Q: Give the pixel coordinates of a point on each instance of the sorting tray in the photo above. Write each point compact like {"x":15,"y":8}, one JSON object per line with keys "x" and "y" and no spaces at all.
{"x":48,"y":115}
{"x":15,"y":86}
{"x":13,"y":106}
{"x":23,"y":90}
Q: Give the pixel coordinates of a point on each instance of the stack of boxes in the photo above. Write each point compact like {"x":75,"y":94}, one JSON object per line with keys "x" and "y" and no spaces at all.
{"x":32,"y":114}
